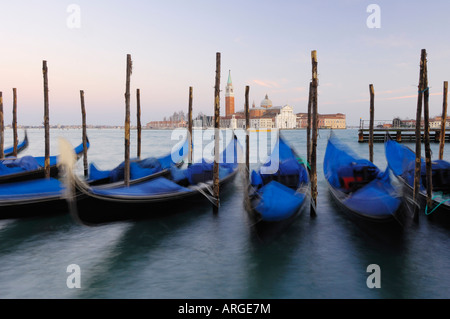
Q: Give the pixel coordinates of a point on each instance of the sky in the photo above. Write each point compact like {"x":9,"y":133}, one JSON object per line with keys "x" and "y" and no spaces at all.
{"x":265,"y":44}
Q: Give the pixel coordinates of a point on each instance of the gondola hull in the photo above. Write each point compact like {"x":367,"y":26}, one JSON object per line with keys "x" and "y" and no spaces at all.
{"x":89,"y":209}
{"x":276,"y":199}
{"x":269,"y":229}
{"x":341,"y":199}
{"x":20,"y":147}
{"x":401,"y":160}
{"x":54,"y":205}
{"x":438,"y":212}
{"x":32,"y":198}
{"x":358,"y":186}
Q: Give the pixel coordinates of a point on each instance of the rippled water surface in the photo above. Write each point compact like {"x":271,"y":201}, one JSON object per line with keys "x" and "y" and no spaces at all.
{"x":196,"y":254}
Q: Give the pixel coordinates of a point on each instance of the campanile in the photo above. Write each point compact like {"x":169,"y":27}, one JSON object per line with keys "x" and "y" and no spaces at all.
{"x":229,"y":97}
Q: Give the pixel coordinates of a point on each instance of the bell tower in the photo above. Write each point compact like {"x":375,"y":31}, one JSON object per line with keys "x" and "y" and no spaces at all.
{"x":229,"y":97}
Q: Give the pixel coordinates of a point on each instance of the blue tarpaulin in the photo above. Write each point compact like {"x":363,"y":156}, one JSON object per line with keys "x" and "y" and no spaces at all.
{"x":376,"y":197}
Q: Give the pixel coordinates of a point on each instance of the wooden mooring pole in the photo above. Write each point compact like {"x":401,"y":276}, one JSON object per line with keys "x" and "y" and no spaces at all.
{"x":247,"y":134}
{"x":216,"y":135}
{"x":84,"y":135}
{"x":2,"y":128}
{"x":138,"y":121}
{"x":418,"y":163}
{"x":46,"y":121}
{"x":443,"y":122}
{"x":308,"y":126}
{"x":426,"y":136}
{"x":14,"y":123}
{"x":372,"y":97}
{"x":313,"y":177}
{"x":127,"y":122}
{"x":191,"y":96}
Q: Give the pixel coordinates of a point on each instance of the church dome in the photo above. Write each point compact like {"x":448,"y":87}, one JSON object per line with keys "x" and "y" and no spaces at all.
{"x":266,"y":103}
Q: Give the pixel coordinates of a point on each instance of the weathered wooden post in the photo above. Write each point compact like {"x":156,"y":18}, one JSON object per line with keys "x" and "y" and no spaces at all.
{"x":418,"y":137}
{"x":426,"y":136}
{"x":14,"y":123}
{"x":190,"y":125}
{"x":2,"y":128}
{"x":84,"y":135}
{"x":313,"y":164}
{"x":308,"y":126}
{"x":247,"y":135}
{"x":138,"y":121}
{"x":443,"y":122}
{"x":216,"y":135}
{"x":247,"y":185}
{"x":127,"y":122}
{"x":372,"y":97}
{"x":46,"y":121}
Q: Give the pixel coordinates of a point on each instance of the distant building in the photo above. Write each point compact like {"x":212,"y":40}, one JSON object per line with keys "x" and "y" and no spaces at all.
{"x":229,"y":97}
{"x":166,"y":124}
{"x":325,"y":121}
{"x":437,"y":122}
{"x":302,"y":120}
{"x":333,"y":121}
{"x":286,"y":119}
{"x":262,"y":122}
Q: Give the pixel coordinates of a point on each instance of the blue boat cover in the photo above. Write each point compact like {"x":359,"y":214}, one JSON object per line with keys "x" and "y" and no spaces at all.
{"x":195,"y":173}
{"x":29,"y":163}
{"x":288,"y":166}
{"x":157,"y":186}
{"x":203,"y":171}
{"x":278,"y":199}
{"x":176,"y":156}
{"x":374,"y":195}
{"x":31,"y":189}
{"x":139,"y":168}
{"x":278,"y":202}
{"x":401,"y":160}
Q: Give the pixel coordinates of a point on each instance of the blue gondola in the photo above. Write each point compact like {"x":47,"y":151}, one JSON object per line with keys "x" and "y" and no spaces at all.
{"x":140,"y":169}
{"x":31,"y":167}
{"x":20,"y":147}
{"x":359,"y":186}
{"x":279,"y":191}
{"x":29,"y":194}
{"x":147,"y":198}
{"x":401,"y":160}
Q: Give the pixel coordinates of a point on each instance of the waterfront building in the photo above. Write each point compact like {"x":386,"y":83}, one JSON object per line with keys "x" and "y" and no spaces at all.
{"x":325,"y":121}
{"x":286,"y":119}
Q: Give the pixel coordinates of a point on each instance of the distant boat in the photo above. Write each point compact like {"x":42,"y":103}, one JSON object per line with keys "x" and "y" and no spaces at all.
{"x":155,"y":197}
{"x":20,"y":147}
{"x":358,"y":185}
{"x":401,"y":160}
{"x":275,"y":199}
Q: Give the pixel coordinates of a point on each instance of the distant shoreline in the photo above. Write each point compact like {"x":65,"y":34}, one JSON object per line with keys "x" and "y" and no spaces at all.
{"x":67,"y":127}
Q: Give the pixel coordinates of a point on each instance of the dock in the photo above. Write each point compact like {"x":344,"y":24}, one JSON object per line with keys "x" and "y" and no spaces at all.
{"x":399,"y":134}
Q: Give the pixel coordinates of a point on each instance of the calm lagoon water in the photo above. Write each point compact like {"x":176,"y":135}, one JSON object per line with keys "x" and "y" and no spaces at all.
{"x":196,"y":254}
